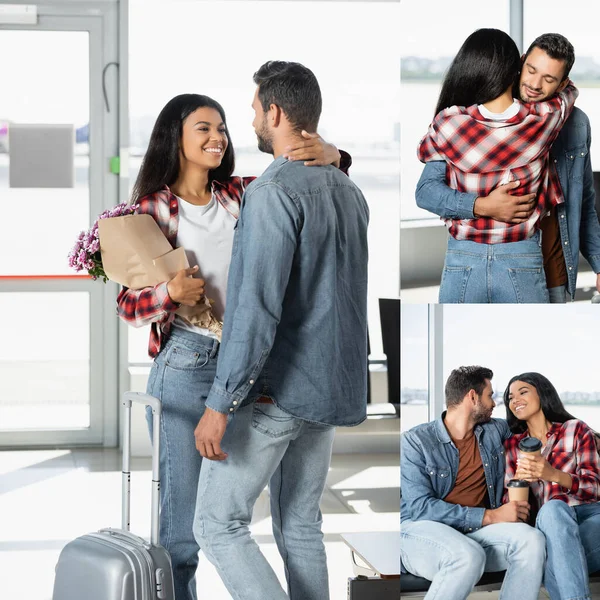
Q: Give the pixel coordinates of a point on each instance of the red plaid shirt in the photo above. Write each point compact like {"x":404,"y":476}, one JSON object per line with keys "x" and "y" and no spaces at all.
{"x":571,"y":448}
{"x":482,"y":153}
{"x":152,"y":305}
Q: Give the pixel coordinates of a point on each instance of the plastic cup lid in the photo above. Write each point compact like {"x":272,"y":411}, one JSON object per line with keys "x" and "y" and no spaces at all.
{"x":519,"y":483}
{"x":530,"y":444}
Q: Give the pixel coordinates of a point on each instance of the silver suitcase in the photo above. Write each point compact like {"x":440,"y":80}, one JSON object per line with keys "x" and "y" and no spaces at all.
{"x":114,"y":564}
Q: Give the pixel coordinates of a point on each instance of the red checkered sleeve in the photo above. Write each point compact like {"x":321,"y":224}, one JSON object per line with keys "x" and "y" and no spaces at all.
{"x":563,"y":103}
{"x":145,"y":306}
{"x":585,"y":469}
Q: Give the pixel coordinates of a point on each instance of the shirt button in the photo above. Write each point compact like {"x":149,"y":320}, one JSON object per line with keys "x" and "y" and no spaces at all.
{"x":555,"y":160}
{"x":490,"y":485}
{"x":566,"y":243}
{"x":486,"y":464}
{"x":231,"y":410}
{"x":252,"y":382}
{"x":570,"y":268}
{"x":562,"y":216}
{"x":470,"y":529}
{"x":431,"y":472}
{"x":583,"y":154}
{"x":234,"y":402}
{"x":571,"y":156}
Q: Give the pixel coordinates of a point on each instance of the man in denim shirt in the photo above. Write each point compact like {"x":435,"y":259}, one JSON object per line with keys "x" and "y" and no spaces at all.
{"x":293,"y":358}
{"x":454,"y":526}
{"x":572,"y":226}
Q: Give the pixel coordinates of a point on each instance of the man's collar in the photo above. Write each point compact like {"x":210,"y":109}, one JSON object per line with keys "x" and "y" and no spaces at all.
{"x":442,"y":433}
{"x":440,"y":429}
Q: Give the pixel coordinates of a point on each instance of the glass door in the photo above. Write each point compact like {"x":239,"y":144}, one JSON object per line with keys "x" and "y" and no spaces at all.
{"x":55,"y":332}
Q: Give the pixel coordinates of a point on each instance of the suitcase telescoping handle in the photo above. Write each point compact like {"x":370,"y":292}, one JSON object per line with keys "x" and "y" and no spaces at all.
{"x":154,"y":403}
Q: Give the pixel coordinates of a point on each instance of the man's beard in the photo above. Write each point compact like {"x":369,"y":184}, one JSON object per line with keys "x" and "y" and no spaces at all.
{"x":482,"y":414}
{"x":265,"y":143}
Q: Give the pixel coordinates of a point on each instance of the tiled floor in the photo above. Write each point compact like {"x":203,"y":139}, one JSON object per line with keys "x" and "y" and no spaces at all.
{"x":49,"y":497}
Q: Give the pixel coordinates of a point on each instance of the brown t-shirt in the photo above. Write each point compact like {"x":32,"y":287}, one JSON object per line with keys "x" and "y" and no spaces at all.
{"x":470,"y":486}
{"x":554,"y":259}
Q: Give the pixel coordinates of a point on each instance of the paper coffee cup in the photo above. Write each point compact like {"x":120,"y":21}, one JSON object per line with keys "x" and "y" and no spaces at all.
{"x":530,"y":445}
{"x":518,"y":489}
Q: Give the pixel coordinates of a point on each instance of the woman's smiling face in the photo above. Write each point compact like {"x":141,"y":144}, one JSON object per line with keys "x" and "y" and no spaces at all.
{"x":204,"y":138}
{"x":524,"y":401}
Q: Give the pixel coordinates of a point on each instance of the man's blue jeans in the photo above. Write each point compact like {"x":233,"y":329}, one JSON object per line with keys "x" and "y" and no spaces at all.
{"x":181,"y":376}
{"x":558,"y":294}
{"x":454,"y":562}
{"x":572,"y":545}
{"x":494,"y":273}
{"x":267,"y":445}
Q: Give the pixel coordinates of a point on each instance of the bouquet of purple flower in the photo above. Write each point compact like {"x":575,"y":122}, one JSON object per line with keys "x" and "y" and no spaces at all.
{"x":85,"y":255}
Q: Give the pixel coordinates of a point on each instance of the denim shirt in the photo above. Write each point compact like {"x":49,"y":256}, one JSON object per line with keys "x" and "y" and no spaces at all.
{"x":429,"y":466}
{"x":295,"y":325}
{"x":577,"y":217}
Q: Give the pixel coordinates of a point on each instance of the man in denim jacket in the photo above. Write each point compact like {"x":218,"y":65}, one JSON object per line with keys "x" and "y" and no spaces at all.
{"x":454,"y":526}
{"x":574,"y":225}
{"x":293,"y":359}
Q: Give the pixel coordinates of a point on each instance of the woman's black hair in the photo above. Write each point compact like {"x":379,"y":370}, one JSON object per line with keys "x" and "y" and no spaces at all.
{"x":160,"y":166}
{"x":550,"y":402}
{"x":487,"y":64}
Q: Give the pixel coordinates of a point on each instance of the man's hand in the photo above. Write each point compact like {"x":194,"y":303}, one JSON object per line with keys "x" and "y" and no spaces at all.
{"x":502,"y":206}
{"x":209,"y":432}
{"x":315,"y":151}
{"x":184,"y":289}
{"x":512,"y":512}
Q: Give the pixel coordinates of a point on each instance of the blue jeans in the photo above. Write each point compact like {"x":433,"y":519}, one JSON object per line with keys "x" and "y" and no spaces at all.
{"x":181,"y":376}
{"x":558,"y":294}
{"x":494,"y":273}
{"x":454,"y":562}
{"x":267,"y":445}
{"x":573,"y":547}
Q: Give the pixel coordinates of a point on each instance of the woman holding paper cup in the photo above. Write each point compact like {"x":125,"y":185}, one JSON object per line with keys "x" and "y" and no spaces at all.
{"x":186,"y":184}
{"x":557,"y":455}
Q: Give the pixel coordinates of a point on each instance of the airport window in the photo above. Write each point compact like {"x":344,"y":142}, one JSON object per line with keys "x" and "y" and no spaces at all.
{"x":414,"y":370}
{"x":580,"y":28}
{"x":556,"y":343}
{"x":428,"y":46}
{"x":212,"y":50}
{"x":44,"y":92}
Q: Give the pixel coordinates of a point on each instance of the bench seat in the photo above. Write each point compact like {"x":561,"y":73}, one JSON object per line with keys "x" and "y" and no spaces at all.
{"x":413,"y":585}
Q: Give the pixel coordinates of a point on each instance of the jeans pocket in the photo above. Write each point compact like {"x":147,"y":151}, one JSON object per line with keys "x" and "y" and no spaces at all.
{"x":270,"y":420}
{"x":453,"y":287}
{"x":151,"y":379}
{"x":529,"y":285}
{"x":181,"y":358}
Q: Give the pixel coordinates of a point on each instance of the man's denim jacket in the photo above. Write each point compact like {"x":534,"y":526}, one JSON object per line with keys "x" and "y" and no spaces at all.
{"x":577,"y":217}
{"x":429,"y":466}
{"x":296,"y":318}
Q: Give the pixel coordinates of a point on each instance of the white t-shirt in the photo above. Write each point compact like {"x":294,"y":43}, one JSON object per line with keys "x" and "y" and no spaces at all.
{"x":510,"y":112}
{"x":206,"y":233}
